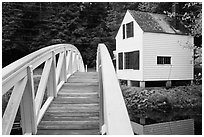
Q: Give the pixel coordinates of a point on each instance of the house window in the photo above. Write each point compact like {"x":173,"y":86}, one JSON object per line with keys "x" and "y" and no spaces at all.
{"x":129,"y":29}
{"x":128,"y":64}
{"x":120,"y":60}
{"x":123,"y":31}
{"x":163,"y":60}
{"x":132,"y":60}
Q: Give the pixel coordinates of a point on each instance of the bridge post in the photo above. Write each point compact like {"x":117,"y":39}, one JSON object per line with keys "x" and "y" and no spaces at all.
{"x":51,"y":84}
{"x":67,"y":62}
{"x":73,"y":62}
{"x":129,"y":83}
{"x":27,"y":107}
{"x":73,"y":59}
{"x":70,"y":63}
{"x":63,"y":73}
{"x":78,"y":62}
{"x":97,"y":62}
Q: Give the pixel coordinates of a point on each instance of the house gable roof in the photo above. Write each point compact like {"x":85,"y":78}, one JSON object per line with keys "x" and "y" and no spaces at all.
{"x":150,"y":22}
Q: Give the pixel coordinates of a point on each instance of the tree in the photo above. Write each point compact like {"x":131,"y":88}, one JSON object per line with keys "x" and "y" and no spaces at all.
{"x":27,"y":27}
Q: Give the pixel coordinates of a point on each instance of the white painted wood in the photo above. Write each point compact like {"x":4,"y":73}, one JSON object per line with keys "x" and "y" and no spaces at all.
{"x":60,"y":85}
{"x":73,"y":60}
{"x":13,"y":74}
{"x":12,"y":106}
{"x":51,"y":84}
{"x":116,"y":116}
{"x":128,"y":45}
{"x":101,"y":112}
{"x":63,"y":73}
{"x":28,"y":116}
{"x":12,"y":80}
{"x":43,"y":109}
{"x":67,"y":61}
{"x":81,"y":65}
{"x":59,"y":66}
{"x":142,"y":84}
{"x":12,"y":68}
{"x":27,"y":134}
{"x":19,"y":74}
{"x":137,"y":128}
{"x":70,"y":63}
{"x":86,"y":68}
{"x":77,"y":62}
{"x":103,"y":129}
{"x":68,"y":75}
{"x":42,"y":85}
{"x":181,"y":67}
{"x":41,"y":59}
{"x":180,"y":127}
{"x":129,"y":83}
{"x":82,"y":68}
{"x":9,"y":72}
{"x":152,"y":45}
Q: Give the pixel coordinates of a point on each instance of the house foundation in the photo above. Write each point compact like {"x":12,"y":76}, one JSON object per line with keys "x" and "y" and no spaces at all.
{"x":142,"y":84}
{"x":168,"y":84}
{"x":129,"y":83}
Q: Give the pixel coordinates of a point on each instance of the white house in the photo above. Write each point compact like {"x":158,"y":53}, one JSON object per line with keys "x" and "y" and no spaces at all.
{"x":153,"y":47}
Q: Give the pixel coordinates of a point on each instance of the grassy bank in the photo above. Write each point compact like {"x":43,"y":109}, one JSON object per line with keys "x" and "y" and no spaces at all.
{"x":162,"y":105}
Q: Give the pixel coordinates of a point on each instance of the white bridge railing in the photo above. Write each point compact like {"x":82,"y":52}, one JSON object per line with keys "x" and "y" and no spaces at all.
{"x":114,"y":119}
{"x":17,"y":78}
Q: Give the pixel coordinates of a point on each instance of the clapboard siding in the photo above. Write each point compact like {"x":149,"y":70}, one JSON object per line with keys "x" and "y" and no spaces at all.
{"x":130,"y":74}
{"x":151,"y":45}
{"x":180,"y":127}
{"x":158,"y":44}
{"x":128,"y":45}
{"x":157,"y":129}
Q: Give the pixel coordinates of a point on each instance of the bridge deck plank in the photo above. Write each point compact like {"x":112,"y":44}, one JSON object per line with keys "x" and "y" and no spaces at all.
{"x":75,"y":111}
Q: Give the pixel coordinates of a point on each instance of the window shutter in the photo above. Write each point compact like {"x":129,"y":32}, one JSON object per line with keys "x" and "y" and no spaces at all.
{"x":120,"y":63}
{"x":127,"y":60}
{"x":123,"y":31}
{"x":136,"y":60}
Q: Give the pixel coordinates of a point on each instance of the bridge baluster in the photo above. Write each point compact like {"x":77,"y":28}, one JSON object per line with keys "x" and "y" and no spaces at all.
{"x":42,"y":85}
{"x":70,"y":63}
{"x":28,"y":116}
{"x":19,"y":75}
{"x":73,"y":60}
{"x":51,"y":84}
{"x":12,"y":106}
{"x":59,"y":66}
{"x":67,"y":62}
{"x":63,"y":73}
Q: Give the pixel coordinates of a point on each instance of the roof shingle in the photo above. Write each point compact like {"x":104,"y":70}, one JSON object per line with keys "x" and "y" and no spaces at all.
{"x":150,"y":22}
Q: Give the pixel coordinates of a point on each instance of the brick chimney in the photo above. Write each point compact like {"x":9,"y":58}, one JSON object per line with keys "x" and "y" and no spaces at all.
{"x":175,"y":9}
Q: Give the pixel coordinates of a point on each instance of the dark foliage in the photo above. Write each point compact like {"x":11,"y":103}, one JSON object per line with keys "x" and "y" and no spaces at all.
{"x":27,"y":27}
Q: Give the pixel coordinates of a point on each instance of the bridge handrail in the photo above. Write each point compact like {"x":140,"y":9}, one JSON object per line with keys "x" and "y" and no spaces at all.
{"x":18,"y":79}
{"x":115,"y":119}
{"x":13,"y":67}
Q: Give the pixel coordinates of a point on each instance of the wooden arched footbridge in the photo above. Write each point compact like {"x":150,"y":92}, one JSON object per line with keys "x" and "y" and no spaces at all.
{"x":67,"y":100}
